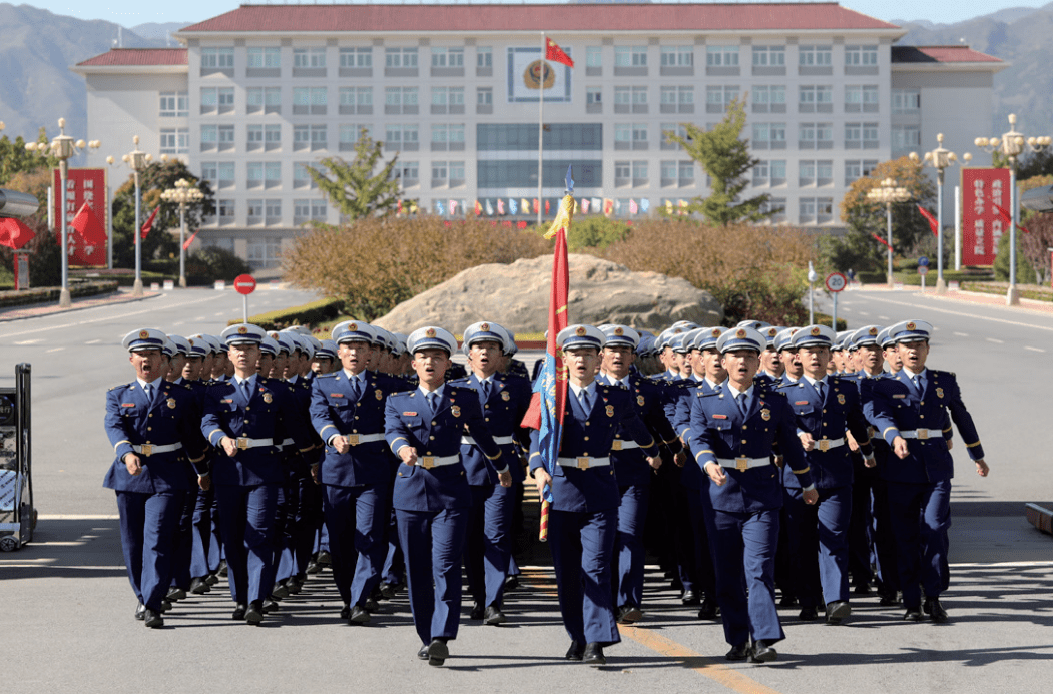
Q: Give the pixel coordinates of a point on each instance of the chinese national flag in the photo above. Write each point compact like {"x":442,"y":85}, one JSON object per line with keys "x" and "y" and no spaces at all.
{"x":933,"y":223}
{"x":149,"y":223}
{"x":190,"y":240}
{"x":87,"y":225}
{"x":554,"y":53}
{"x":14,"y":234}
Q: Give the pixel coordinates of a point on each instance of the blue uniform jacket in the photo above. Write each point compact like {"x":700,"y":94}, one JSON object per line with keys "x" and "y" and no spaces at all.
{"x":406,"y":423}
{"x":172,"y":418}
{"x":594,"y":489}
{"x":502,"y":412}
{"x":270,"y":413}
{"x":891,"y":406}
{"x":335,"y":411}
{"x":630,"y":466}
{"x":841,"y":411}
{"x":718,"y":430}
{"x":693,"y":477}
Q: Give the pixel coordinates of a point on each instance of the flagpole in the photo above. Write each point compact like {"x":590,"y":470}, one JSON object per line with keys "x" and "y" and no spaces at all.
{"x":540,"y":126}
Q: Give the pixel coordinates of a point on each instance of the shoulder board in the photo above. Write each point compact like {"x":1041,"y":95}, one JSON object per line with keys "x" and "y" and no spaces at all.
{"x":330,"y":375}
{"x":775,"y":393}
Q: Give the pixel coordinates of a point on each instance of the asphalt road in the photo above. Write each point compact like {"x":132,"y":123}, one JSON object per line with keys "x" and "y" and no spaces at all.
{"x":66,"y":608}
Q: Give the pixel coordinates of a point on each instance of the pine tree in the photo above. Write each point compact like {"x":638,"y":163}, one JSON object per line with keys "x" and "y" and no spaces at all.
{"x":353,"y":187}
{"x":726,"y":158}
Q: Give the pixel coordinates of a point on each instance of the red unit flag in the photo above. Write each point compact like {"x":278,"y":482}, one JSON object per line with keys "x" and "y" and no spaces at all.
{"x":149,"y":223}
{"x":554,"y":53}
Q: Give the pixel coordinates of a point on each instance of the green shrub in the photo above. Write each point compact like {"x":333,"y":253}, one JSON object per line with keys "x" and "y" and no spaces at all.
{"x":1025,"y":273}
{"x":305,"y":314}
{"x":212,"y":263}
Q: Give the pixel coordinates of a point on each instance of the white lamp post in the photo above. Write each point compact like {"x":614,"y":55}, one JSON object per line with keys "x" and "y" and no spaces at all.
{"x":184,"y":194}
{"x":939,"y":158}
{"x":137,"y":160}
{"x":62,"y":147}
{"x":1011,"y":145}
{"x":888,"y":193}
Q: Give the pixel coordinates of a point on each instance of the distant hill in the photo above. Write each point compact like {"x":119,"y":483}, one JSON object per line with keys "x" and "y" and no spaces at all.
{"x":159,"y":31}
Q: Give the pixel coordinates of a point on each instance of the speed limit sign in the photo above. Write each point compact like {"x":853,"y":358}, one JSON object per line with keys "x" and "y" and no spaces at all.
{"x":836,"y":281}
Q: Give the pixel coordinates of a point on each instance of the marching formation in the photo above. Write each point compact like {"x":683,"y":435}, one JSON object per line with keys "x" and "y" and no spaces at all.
{"x":744,"y":460}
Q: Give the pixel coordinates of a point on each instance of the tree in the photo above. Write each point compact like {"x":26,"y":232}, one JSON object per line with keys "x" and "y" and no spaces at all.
{"x":157,"y":177}
{"x":858,"y":248}
{"x":726,"y":158}
{"x":354,"y":187}
{"x":14,"y":158}
{"x":1034,"y":244}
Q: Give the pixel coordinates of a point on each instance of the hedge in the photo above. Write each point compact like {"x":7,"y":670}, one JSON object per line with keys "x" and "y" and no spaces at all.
{"x":41,"y":295}
{"x":305,"y":314}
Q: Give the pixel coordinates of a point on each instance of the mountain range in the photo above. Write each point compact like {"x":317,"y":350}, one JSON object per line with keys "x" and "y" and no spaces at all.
{"x":38,"y":47}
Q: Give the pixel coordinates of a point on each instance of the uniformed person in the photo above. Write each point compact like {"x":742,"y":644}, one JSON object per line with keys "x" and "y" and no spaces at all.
{"x":584,"y":514}
{"x":151,"y":425}
{"x":732,"y":436}
{"x":432,"y":497}
{"x":904,"y":408}
{"x":772,"y":368}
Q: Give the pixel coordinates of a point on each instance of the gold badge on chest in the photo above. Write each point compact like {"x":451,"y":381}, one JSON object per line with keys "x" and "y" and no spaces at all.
{"x":610,"y":410}
{"x":171,"y":403}
{"x":268,"y":398}
{"x":765,"y":414}
{"x":505,"y":396}
{"x":380,"y":395}
{"x":639,"y":400}
{"x":456,"y":411}
{"x":841,"y":399}
{"x":939,"y":393}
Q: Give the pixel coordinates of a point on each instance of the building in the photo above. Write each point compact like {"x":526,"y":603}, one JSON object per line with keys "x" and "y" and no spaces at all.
{"x":260,"y":92}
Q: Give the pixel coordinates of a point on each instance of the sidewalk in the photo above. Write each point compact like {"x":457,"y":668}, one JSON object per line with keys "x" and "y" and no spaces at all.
{"x":964,"y":297}
{"x":121,"y":296}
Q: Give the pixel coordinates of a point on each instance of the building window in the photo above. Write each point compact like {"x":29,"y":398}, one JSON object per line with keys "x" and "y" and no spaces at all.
{"x":640,"y":177}
{"x":639,"y":135}
{"x":816,"y":98}
{"x":718,"y":98}
{"x":225,"y":174}
{"x":484,"y":57}
{"x":272,"y":135}
{"x":769,"y":173}
{"x":775,"y":208}
{"x":769,"y":136}
{"x":400,"y":57}
{"x":175,"y":141}
{"x":871,"y":138}
{"x":686,"y":174}
{"x":447,"y":99}
{"x":769,"y":99}
{"x":254,"y":174}
{"x":623,"y":174}
{"x":174,"y":105}
{"x":302,"y":176}
{"x":217,"y":100}
{"x":361,"y":57}
{"x":310,"y":100}
{"x":816,"y":136}
{"x":254,"y":211}
{"x":217,"y":58}
{"x":769,"y":56}
{"x":225,"y":211}
{"x":356,"y":100}
{"x":447,"y":57}
{"x":594,"y":56}
{"x":351,"y":134}
{"x":861,"y":55}
{"x":272,"y":174}
{"x":253,"y":137}
{"x":263,"y":57}
{"x":678,"y":56}
{"x":408,"y":172}
{"x":312,"y":137}
{"x":722,"y":56}
{"x":806,"y":209}
{"x":439,"y":174}
{"x":906,"y":100}
{"x":402,"y":136}
{"x":630,"y":56}
{"x":860,"y":98}
{"x":816,"y":56}
{"x":484,"y":96}
{"x":309,"y":57}
{"x":264,"y":252}
{"x":667,"y":173}
{"x":401,"y":100}
{"x":309,"y":210}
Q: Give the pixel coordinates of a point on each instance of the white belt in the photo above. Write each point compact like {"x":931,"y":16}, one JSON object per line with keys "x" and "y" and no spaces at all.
{"x":583,"y":462}
{"x":244,"y":443}
{"x":825,"y":445}
{"x":743,"y":463}
{"x":922,"y":434}
{"x":429,"y":461}
{"x":149,"y":449}
{"x":359,"y":439}
{"x":499,"y":440}
{"x":620,"y":445}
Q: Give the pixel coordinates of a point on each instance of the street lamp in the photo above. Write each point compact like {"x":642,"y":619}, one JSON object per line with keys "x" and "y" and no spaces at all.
{"x":1011,"y":145}
{"x":184,"y":194}
{"x":939,"y":158}
{"x":137,"y":160}
{"x":62,"y":148}
{"x":888,"y":193}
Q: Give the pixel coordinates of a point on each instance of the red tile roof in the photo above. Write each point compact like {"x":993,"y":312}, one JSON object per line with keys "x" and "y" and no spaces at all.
{"x":554,"y":18}
{"x":138,"y":56}
{"x":940,"y":54}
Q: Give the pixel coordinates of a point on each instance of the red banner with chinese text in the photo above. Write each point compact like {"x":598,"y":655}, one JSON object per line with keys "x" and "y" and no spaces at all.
{"x":983,"y":190}
{"x":82,"y":186}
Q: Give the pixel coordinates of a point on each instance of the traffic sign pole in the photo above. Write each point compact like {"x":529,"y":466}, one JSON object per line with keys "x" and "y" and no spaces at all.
{"x":836,"y":283}
{"x":244,"y":308}
{"x":244,"y":285}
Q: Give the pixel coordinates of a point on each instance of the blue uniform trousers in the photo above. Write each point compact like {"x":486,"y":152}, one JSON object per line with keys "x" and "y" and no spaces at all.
{"x":205,"y":554}
{"x":629,"y":545}
{"x":284,"y":521}
{"x":705,"y":577}
{"x":395,"y":563}
{"x":861,"y":540}
{"x":433,"y":545}
{"x":358,"y":519}
{"x":488,"y":549}
{"x":183,"y":547}
{"x":921,"y":516}
{"x":884,"y":539}
{"x":582,"y":547}
{"x":818,"y":538}
{"x":148,"y":528}
{"x":247,"y":523}
{"x":743,"y":548}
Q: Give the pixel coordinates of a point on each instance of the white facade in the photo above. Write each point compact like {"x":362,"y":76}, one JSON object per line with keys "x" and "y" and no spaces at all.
{"x":259,"y":105}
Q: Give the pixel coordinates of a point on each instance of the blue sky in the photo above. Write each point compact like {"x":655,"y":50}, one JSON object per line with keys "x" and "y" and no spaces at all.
{"x":132,"y":12}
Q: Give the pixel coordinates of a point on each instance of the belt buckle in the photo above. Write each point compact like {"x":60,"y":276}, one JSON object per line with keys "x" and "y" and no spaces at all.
{"x":352,"y":439}
{"x":427,"y":462}
{"x":616,"y":445}
{"x":583,"y":463}
{"x":742,"y":463}
{"x":824,"y":445}
{"x":242,"y":443}
{"x":146,"y":449}
{"x":923,"y":434}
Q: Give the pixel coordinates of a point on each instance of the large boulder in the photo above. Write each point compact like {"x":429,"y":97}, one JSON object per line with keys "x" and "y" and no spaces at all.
{"x":517,"y":295}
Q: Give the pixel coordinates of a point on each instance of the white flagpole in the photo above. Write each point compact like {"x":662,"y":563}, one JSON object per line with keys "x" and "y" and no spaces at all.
{"x":540,"y":126}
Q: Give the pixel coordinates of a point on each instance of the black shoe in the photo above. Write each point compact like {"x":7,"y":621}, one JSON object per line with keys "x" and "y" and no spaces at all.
{"x":934,"y":609}
{"x":254,"y":615}
{"x":709,"y":609}
{"x":199,"y":586}
{"x":788,"y":601}
{"x":152,"y":620}
{"x":862,"y":588}
{"x":175,"y":594}
{"x":371,"y":605}
{"x":346,"y":612}
{"x":627,"y":614}
{"x":313,"y":567}
{"x":593,"y":655}
{"x":690,"y":598}
{"x":837,"y":611}
{"x":222,"y":570}
{"x":212,"y":579}
{"x":739,"y":652}
{"x":358,"y":616}
{"x":809,"y":614}
{"x":388,"y":590}
{"x":494,"y":616}
{"x":140,"y":609}
{"x":477,"y":612}
{"x":281,"y":591}
{"x":165,"y":606}
{"x":422,"y":654}
{"x":913,"y":615}
{"x":293,"y":585}
{"x":889,"y":598}
{"x":324,"y":559}
{"x":438,"y":652}
{"x":239,"y":611}
{"x":270,"y":605}
{"x":511,"y":583}
{"x":762,"y":652}
{"x":576,"y":651}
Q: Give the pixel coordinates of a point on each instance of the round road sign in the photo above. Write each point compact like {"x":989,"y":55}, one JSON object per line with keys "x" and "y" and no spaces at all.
{"x":836,"y":281}
{"x":923,"y":260}
{"x":244,"y":284}
{"x":923,"y":269}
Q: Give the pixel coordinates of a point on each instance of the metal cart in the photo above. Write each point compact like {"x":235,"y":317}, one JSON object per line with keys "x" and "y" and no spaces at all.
{"x":18,"y":518}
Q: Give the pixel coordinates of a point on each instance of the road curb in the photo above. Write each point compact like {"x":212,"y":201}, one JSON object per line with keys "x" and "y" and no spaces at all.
{"x":80,"y":306}
{"x":1039,"y":517}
